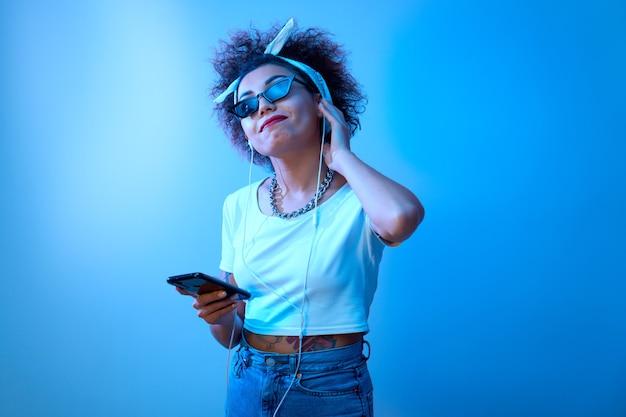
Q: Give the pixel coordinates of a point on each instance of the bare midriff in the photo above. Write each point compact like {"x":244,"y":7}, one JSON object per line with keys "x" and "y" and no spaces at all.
{"x":290,"y":344}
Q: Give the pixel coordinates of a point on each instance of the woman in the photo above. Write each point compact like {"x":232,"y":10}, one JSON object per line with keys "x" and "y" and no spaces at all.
{"x":307,"y":240}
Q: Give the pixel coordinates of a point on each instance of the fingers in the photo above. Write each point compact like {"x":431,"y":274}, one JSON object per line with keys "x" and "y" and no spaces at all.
{"x":183,"y":292}
{"x":209,"y":297}
{"x":223,"y":316}
{"x":331,"y":111}
{"x":214,"y":307}
{"x":340,"y":129}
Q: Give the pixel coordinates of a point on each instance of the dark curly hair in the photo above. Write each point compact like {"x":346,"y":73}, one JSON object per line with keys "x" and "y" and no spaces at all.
{"x":314,"y":47}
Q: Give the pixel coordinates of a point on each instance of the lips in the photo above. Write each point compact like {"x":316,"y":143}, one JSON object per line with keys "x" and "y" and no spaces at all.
{"x":272,"y":121}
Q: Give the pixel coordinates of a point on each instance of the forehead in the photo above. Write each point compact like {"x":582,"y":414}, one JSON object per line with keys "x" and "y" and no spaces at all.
{"x":257,"y":77}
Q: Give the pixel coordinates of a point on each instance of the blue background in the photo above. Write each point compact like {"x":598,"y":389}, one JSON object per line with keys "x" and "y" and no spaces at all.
{"x":506,"y":118}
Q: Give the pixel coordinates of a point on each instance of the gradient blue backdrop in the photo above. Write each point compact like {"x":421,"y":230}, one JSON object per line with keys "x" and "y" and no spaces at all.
{"x":506,"y":118}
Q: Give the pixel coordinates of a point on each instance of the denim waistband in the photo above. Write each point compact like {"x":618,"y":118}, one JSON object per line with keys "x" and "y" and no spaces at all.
{"x":320,"y":360}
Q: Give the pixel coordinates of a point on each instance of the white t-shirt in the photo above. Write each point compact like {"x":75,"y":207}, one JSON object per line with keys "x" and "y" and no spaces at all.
{"x":279,"y":261}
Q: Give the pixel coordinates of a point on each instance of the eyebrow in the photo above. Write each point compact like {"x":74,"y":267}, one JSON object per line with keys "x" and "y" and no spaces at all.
{"x":267,"y":82}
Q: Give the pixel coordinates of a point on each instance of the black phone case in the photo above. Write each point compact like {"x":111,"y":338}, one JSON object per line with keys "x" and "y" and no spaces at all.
{"x":199,"y":283}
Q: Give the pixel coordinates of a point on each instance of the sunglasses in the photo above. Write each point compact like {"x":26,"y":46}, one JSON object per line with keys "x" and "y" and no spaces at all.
{"x":274,"y":92}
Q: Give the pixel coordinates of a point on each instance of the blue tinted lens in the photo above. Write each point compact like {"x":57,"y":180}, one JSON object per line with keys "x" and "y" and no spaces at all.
{"x":273,"y":93}
{"x":246,"y":107}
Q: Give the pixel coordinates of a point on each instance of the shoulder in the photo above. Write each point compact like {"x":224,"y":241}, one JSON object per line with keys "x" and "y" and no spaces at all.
{"x":240,"y":198}
{"x":244,"y":192}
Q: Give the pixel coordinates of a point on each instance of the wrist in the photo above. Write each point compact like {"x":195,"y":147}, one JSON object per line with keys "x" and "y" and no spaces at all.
{"x":341,"y":159}
{"x":224,"y":332}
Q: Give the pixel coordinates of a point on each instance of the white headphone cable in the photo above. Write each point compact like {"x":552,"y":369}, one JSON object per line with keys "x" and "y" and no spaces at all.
{"x":306,"y":275}
{"x":230,"y":347}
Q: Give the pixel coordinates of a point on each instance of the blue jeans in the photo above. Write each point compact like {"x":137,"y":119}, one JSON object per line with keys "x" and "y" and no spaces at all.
{"x":332,"y":382}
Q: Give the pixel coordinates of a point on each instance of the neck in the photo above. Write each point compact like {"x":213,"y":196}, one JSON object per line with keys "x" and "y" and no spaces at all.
{"x":299,"y":177}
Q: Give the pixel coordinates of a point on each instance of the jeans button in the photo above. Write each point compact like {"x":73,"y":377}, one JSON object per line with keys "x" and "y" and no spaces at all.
{"x":270,"y":361}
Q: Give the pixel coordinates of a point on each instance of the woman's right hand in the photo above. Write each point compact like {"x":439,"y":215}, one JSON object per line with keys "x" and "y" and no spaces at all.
{"x":215,"y":308}
{"x":224,"y":314}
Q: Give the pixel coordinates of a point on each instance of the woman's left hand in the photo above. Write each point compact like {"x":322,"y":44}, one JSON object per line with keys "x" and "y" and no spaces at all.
{"x":340,"y":139}
{"x":394,"y":211}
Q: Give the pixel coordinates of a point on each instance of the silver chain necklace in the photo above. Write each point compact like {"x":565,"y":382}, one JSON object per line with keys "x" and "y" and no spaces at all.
{"x":308,"y":207}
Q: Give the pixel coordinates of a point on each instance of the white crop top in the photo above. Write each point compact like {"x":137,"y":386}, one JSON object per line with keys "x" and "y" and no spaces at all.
{"x":279,"y":261}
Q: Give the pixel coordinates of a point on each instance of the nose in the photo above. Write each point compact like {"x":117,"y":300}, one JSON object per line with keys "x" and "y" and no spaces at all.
{"x":265,"y":105}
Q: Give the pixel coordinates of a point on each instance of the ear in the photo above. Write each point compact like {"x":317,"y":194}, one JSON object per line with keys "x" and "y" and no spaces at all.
{"x":318,"y":100}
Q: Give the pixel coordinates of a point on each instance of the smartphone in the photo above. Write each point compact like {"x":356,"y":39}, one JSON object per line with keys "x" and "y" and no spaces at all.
{"x":198,"y":283}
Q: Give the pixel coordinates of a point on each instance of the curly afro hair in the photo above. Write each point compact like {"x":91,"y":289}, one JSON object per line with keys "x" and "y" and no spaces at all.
{"x":244,"y":52}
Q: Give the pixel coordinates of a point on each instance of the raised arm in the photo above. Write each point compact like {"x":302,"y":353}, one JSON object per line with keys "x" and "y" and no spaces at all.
{"x":394,"y":211}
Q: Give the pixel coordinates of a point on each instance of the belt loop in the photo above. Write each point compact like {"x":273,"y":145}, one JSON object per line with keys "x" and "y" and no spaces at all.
{"x":293,"y":362}
{"x":369,"y":349}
